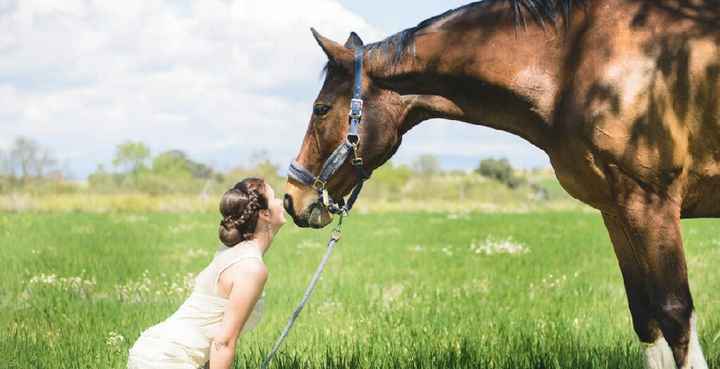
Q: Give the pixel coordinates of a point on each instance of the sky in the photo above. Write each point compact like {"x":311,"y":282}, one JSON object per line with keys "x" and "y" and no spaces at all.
{"x":218,"y":79}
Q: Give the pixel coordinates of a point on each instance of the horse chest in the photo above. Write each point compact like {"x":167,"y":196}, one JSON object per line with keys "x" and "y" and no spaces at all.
{"x":579,"y":173}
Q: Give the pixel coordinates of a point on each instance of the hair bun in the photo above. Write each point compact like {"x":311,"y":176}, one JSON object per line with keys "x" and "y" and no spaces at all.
{"x":229,"y":236}
{"x":239,"y":207}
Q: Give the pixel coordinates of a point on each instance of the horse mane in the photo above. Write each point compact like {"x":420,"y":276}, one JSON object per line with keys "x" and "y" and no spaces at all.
{"x":541,"y":11}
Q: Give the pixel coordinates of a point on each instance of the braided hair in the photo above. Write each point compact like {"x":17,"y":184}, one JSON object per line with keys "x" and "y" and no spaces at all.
{"x":240,"y":207}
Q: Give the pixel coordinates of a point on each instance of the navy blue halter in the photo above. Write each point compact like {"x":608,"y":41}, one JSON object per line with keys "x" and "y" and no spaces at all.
{"x":341,"y":153}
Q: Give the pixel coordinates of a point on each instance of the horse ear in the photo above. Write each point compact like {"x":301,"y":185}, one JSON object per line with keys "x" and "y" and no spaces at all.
{"x":354,"y":41}
{"x":337,"y":53}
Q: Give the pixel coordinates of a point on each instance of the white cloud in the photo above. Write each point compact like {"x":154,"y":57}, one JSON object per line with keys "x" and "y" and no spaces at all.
{"x":204,"y":76}
{"x":218,"y":79}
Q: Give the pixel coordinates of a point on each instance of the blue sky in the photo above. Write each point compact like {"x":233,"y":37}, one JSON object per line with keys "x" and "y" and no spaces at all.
{"x":218,"y":79}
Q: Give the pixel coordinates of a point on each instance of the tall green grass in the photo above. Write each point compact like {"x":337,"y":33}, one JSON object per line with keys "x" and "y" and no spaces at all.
{"x":402,"y":290}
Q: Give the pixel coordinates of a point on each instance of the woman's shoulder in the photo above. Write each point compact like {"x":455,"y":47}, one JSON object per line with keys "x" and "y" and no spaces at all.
{"x":246,"y":275}
{"x":246,"y":267}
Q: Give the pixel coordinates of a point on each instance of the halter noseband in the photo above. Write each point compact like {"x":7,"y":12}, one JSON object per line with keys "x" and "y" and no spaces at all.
{"x":341,"y":153}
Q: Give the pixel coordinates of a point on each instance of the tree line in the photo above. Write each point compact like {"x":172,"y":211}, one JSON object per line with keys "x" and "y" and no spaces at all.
{"x":27,"y":166}
{"x":25,"y":160}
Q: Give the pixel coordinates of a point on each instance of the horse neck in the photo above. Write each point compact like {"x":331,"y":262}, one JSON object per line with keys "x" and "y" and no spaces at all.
{"x":508,"y":79}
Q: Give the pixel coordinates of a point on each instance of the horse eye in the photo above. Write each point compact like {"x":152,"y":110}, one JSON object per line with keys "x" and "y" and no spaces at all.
{"x":321,"y":110}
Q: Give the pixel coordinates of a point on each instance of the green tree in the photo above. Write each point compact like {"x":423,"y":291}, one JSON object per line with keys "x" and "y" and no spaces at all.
{"x":258,"y":164}
{"x":27,"y":158}
{"x":4,"y":164}
{"x":499,"y":170}
{"x":262,"y":166}
{"x":427,"y":165}
{"x":175,"y":163}
{"x":131,"y":156}
{"x":5,"y":180}
{"x":102,"y":181}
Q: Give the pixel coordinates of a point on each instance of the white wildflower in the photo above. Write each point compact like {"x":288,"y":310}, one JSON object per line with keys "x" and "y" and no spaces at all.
{"x":193,"y":253}
{"x":541,"y":324}
{"x":142,"y":289}
{"x":77,"y":285}
{"x":82,"y":229}
{"x":180,"y":228}
{"x":549,"y":282}
{"x":391,"y":293}
{"x":387,"y":231}
{"x":49,"y":279}
{"x":476,"y":286}
{"x":503,"y":246}
{"x":132,"y":219}
{"x":329,"y":306}
{"x":114,"y":340}
{"x":458,"y":216}
{"x":308,"y":244}
{"x":417,"y":248}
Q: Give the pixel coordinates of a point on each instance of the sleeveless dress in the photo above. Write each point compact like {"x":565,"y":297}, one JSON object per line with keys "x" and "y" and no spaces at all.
{"x":182,"y":341}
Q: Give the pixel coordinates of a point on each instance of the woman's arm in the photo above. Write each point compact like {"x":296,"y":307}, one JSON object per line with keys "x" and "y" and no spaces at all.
{"x":248,"y":278}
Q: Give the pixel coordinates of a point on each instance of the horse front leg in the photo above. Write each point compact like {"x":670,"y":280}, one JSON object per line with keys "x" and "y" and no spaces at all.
{"x":645,"y":232}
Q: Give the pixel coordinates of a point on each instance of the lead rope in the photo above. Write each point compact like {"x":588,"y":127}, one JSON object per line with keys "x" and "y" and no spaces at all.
{"x":334,"y":238}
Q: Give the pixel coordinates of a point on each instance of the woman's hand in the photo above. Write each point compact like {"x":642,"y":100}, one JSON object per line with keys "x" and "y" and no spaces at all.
{"x":248,"y":280}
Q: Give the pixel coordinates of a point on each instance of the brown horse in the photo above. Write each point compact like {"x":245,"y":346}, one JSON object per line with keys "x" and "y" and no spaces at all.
{"x":622,"y":95}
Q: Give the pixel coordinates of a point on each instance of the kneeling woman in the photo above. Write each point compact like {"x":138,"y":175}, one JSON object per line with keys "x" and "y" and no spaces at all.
{"x":227,"y":297}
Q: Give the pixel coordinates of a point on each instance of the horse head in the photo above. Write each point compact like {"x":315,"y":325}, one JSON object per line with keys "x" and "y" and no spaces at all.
{"x":384,"y":119}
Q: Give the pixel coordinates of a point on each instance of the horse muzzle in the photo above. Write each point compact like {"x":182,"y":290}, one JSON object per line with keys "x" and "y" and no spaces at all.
{"x":314,"y":215}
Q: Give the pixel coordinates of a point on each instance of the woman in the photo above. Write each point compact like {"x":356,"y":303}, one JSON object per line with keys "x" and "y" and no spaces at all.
{"x":227,"y":297}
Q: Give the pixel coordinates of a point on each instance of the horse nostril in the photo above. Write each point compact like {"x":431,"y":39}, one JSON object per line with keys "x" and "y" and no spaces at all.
{"x":288,"y":204}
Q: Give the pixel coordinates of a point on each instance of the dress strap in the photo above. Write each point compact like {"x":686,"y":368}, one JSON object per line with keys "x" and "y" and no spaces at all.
{"x":231,"y":263}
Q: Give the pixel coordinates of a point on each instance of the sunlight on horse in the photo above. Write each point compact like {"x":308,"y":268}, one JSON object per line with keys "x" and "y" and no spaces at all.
{"x":623,"y":96}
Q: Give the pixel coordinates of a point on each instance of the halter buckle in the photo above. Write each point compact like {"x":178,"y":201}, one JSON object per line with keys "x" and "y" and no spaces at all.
{"x":319,"y":185}
{"x":357,"y":162}
{"x":356,"y":106}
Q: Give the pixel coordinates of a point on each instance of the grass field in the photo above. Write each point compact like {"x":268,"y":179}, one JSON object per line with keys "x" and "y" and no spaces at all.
{"x":402,"y":290}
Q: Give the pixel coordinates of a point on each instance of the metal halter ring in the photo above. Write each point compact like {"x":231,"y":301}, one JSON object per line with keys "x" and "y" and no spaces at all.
{"x":319,"y":185}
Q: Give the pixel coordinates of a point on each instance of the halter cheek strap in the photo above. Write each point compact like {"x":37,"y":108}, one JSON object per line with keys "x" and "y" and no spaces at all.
{"x":349,"y":146}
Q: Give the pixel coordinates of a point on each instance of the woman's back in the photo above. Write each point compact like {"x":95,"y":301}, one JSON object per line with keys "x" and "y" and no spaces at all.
{"x":183,"y":339}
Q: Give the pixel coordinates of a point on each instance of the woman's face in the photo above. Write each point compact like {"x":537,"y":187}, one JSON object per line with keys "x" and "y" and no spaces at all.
{"x":275,"y":205}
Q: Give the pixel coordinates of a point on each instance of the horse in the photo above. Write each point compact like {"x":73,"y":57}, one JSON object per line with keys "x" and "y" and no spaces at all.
{"x":622,"y":95}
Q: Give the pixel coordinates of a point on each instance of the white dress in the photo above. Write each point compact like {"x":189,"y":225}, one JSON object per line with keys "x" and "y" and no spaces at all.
{"x":182,"y":341}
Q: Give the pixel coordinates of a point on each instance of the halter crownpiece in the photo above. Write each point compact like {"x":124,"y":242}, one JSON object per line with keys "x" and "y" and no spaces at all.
{"x":349,"y":146}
